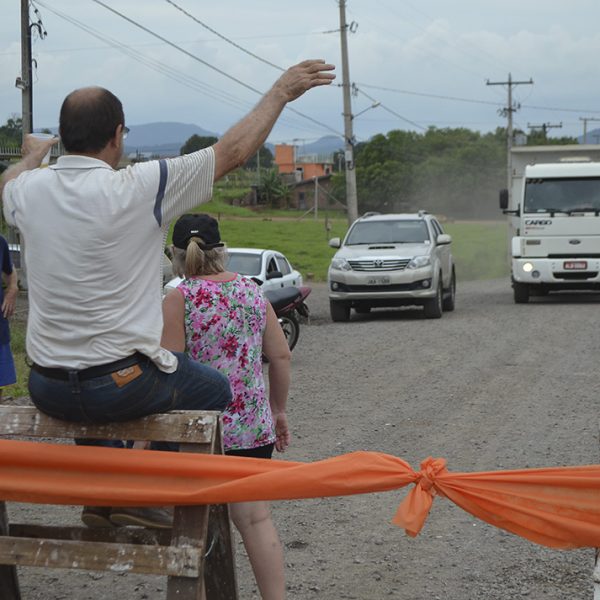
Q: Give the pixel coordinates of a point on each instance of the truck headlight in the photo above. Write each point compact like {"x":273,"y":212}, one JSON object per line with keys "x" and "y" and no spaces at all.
{"x":418,"y":262}
{"x":527,"y":267}
{"x":340,"y":264}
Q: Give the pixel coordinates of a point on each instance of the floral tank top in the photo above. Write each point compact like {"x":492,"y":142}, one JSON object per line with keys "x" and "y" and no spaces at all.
{"x":224,"y":326}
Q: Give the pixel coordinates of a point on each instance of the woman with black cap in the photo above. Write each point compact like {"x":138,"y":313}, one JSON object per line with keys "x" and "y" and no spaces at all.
{"x":223,"y":320}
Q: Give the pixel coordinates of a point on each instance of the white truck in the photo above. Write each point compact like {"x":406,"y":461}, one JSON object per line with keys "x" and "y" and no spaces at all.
{"x":554,"y":219}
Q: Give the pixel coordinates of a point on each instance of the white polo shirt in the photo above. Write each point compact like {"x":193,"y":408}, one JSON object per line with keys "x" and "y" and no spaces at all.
{"x":94,"y":239}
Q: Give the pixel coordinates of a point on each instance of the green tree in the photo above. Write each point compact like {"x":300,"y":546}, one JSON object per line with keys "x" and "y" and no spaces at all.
{"x":273,"y":190}
{"x":12,"y":131}
{"x":197,"y":142}
{"x":539,"y":137}
{"x":454,"y":172}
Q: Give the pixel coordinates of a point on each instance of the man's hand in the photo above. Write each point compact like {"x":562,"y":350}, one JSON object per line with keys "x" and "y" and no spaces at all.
{"x":34,"y":149}
{"x":303,"y":77}
{"x":243,"y":140}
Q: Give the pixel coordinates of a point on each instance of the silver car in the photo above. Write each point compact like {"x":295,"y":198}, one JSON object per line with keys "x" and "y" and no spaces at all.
{"x":392,"y":260}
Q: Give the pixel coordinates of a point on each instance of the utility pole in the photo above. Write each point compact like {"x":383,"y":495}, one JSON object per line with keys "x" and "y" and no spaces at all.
{"x":544,"y":127}
{"x":258,"y":166}
{"x":585,"y":122}
{"x":25,"y":82}
{"x":351,"y":197}
{"x":316,"y":203}
{"x":508,"y":112}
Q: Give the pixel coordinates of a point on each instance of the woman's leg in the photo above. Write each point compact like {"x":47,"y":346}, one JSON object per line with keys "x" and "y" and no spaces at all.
{"x":261,"y":540}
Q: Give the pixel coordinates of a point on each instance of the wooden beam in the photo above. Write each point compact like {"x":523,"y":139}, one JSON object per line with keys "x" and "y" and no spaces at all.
{"x":97,"y":556}
{"x":177,"y":426}
{"x":120,"y":535}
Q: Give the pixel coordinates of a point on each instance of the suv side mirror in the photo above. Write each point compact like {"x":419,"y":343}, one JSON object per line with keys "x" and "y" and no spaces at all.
{"x":443,"y":238}
{"x":503,"y":199}
{"x":335,"y":242}
{"x":274,"y":275}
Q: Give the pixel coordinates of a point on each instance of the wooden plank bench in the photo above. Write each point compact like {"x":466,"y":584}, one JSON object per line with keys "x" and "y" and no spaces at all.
{"x":196,"y":555}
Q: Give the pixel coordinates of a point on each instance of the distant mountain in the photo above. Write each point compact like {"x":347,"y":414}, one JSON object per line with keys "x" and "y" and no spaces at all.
{"x":164,"y":139}
{"x":592,"y":136}
{"x":325,"y":145}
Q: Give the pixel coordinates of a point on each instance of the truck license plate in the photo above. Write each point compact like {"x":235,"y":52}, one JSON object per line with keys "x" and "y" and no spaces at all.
{"x":570,"y":265}
{"x":378,"y":281}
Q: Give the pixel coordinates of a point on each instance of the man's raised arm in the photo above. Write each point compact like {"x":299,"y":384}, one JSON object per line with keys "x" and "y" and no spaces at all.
{"x":33,"y":151}
{"x":242,"y":141}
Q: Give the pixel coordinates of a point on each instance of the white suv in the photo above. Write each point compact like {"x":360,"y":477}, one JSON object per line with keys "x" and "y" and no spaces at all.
{"x":392,"y":260}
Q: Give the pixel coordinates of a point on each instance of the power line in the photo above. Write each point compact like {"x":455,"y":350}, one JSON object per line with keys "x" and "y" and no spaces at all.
{"x":479,"y":50}
{"x":178,"y":76}
{"x":149,"y":44}
{"x":171,"y":73}
{"x":358,"y":90}
{"x":207,"y":64}
{"x":471,"y":100}
{"x":573,"y":110}
{"x":196,"y":20}
{"x":433,"y":55}
{"x":427,"y":95}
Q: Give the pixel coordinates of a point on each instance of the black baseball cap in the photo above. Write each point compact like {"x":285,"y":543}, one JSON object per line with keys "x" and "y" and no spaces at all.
{"x":197,"y":225}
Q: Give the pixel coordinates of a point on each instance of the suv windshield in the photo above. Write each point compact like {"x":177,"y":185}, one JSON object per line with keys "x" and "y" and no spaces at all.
{"x":388,"y":232}
{"x":562,"y":195}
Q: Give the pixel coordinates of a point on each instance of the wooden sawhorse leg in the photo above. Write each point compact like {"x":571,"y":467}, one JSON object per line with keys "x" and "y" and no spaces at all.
{"x":9,"y":583}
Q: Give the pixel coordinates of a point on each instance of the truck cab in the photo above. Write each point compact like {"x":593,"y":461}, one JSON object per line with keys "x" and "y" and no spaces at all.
{"x":554,"y":219}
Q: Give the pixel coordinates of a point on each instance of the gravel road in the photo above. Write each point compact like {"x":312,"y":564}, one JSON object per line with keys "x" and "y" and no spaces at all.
{"x":493,"y":385}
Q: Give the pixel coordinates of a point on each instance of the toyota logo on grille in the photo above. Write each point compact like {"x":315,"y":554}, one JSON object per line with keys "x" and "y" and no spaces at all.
{"x":378,"y":264}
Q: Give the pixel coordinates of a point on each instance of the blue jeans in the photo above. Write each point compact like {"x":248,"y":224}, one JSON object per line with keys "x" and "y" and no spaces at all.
{"x":99,"y":400}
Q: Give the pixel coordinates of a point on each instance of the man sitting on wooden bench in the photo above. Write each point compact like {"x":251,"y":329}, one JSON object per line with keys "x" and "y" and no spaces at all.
{"x":94,"y":238}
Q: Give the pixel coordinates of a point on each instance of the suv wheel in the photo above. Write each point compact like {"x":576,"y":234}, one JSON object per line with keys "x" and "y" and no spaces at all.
{"x":449,"y":300}
{"x":340,"y":311}
{"x":433,"y":308}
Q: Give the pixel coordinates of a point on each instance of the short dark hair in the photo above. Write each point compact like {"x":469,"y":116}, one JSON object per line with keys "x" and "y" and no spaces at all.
{"x":89,"y":118}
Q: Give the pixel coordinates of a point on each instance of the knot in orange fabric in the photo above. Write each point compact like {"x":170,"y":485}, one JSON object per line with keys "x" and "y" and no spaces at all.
{"x":430,"y":468}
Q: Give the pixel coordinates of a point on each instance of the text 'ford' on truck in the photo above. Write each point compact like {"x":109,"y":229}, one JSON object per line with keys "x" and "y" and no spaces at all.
{"x":554,"y":219}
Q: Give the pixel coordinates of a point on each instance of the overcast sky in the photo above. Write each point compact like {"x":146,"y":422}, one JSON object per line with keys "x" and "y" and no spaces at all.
{"x":425,"y":61}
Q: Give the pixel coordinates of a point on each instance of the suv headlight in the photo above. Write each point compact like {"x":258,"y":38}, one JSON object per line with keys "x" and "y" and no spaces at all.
{"x":340,"y":264}
{"x":418,"y":262}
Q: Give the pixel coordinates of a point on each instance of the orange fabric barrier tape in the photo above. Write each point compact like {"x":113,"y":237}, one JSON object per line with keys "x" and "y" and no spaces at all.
{"x":557,"y":507}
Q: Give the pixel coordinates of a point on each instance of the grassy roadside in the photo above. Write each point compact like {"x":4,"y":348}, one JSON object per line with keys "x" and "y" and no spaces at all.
{"x":479,"y":250}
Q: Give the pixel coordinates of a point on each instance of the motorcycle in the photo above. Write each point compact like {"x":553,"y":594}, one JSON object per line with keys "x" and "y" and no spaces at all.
{"x":288,"y":304}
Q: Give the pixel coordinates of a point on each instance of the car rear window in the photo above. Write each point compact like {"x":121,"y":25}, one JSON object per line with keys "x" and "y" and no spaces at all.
{"x":245,"y":264}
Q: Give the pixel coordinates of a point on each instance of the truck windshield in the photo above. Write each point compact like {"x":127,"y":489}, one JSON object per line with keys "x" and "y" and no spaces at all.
{"x":389,"y":232}
{"x":562,"y":195}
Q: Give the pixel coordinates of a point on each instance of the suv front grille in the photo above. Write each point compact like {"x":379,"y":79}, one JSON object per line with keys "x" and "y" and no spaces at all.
{"x":391,"y":264}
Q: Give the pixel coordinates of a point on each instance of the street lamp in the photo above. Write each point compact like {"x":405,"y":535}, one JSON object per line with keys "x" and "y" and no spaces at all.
{"x":374,"y":105}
